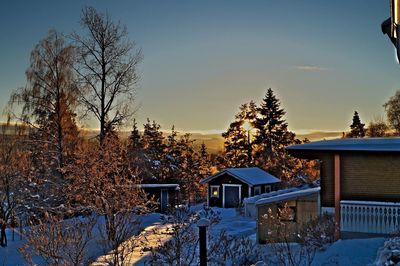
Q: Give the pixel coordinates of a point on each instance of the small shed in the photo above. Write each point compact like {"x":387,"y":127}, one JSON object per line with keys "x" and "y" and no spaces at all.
{"x":165,"y":195}
{"x":230,"y":186}
{"x":301,"y":206}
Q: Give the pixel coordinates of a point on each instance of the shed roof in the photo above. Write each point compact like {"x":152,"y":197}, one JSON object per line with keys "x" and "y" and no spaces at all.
{"x":288,"y":196}
{"x":351,"y":144}
{"x":157,"y":185}
{"x":251,"y":176}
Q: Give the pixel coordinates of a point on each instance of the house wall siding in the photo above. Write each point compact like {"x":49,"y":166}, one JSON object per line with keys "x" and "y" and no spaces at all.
{"x":364,"y":176}
{"x":372,"y":177}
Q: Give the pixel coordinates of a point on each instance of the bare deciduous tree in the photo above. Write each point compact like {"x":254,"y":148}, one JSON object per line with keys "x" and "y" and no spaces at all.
{"x":101,"y":183}
{"x":14,"y":164}
{"x":107,"y":69}
{"x":48,"y":102}
{"x":378,"y":128}
{"x":392,"y":108}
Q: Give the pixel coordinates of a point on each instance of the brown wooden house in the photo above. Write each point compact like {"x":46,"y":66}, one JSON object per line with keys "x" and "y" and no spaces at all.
{"x":230,"y":186}
{"x":360,"y":182}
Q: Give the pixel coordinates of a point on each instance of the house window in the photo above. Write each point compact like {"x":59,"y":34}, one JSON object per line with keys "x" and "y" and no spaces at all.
{"x":267,"y":188}
{"x":257,"y":190}
{"x":214,"y":191}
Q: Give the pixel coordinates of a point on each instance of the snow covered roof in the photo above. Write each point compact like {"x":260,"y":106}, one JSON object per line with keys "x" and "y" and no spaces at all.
{"x":157,"y":185}
{"x":292,"y":195}
{"x":251,"y":176}
{"x":351,"y":144}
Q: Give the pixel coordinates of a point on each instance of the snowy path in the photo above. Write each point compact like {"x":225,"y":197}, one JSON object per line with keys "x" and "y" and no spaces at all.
{"x":156,"y":234}
{"x":151,"y":237}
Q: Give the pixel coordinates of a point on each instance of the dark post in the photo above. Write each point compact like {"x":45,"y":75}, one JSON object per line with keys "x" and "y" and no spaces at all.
{"x":203,"y":224}
{"x":248,"y":148}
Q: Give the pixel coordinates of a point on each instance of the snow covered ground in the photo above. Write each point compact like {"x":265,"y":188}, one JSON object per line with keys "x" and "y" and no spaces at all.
{"x":349,"y":252}
{"x":342,"y":252}
{"x":9,"y":256}
{"x":234,"y":223}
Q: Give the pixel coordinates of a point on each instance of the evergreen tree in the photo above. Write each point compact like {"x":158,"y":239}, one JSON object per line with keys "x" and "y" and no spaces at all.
{"x":272,"y":129}
{"x":172,"y":148}
{"x":189,"y":176}
{"x":172,"y":160}
{"x":272,"y":137}
{"x":154,"y":149}
{"x":235,"y":145}
{"x":204,"y":161}
{"x":135,"y":153}
{"x":357,"y":128}
{"x":205,"y":168}
{"x":153,"y":141}
{"x":238,"y":143}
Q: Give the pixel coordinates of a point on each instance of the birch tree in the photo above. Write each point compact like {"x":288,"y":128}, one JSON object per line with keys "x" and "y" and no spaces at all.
{"x":48,"y":102}
{"x":107,"y":69}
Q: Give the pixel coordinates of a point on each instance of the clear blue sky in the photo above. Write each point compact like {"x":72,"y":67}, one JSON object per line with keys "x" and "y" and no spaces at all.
{"x":202,"y":59}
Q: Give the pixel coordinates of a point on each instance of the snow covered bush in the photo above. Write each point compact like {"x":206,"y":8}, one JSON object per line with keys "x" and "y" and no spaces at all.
{"x":319,"y":232}
{"x":293,"y":244}
{"x":56,"y":242}
{"x":389,"y":254}
{"x":124,"y":227}
{"x":225,"y":249}
{"x":182,"y":246}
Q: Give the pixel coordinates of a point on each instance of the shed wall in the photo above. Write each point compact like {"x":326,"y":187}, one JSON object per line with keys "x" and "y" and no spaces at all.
{"x":306,"y":209}
{"x":225,"y":179}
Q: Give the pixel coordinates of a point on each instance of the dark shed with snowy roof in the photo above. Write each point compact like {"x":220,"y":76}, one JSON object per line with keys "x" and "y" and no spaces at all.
{"x":164,"y":195}
{"x":230,"y":186}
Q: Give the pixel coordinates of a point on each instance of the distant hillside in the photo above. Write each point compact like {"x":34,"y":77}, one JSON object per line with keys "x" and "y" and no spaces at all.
{"x":214,"y":142}
{"x":320,"y":135}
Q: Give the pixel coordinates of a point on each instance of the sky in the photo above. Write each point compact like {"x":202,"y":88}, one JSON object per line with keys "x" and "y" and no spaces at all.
{"x":202,"y":59}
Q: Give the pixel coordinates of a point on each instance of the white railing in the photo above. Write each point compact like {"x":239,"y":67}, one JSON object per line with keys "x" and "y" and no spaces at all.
{"x":369,"y":216}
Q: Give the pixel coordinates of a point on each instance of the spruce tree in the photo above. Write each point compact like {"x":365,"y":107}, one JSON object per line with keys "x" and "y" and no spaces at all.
{"x":135,"y":153}
{"x":357,"y":128}
{"x":171,"y":162}
{"x":238,"y":143}
{"x":272,"y":129}
{"x":272,"y":137}
{"x":154,"y":149}
{"x":205,"y":167}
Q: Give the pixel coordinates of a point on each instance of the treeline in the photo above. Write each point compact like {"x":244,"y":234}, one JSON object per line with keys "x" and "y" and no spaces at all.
{"x":388,"y":126}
